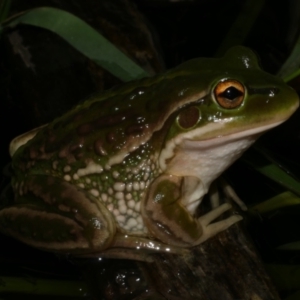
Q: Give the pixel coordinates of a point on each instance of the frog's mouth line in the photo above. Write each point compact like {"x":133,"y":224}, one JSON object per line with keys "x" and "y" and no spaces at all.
{"x":188,"y":141}
{"x":203,"y":144}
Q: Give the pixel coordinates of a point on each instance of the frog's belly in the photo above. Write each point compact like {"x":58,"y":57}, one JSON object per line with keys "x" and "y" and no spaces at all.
{"x":126,"y":212}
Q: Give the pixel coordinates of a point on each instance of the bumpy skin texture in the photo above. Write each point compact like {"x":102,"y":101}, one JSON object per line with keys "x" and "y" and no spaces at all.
{"x":130,"y":166}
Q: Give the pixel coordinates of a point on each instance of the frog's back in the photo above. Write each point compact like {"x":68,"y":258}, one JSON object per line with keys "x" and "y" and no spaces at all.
{"x":109,"y":126}
{"x":116,"y":121}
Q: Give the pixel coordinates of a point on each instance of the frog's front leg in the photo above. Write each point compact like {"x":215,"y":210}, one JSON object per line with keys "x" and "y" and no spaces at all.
{"x":55,"y":215}
{"x":167,"y":218}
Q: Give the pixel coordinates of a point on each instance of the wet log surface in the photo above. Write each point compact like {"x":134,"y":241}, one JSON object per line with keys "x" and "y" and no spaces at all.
{"x":226,"y":267}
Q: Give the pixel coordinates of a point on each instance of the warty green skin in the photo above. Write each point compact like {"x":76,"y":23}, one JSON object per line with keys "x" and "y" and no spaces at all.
{"x":119,"y":171}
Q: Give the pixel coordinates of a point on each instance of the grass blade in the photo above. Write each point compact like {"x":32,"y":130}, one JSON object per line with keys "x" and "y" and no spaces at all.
{"x":285,"y":276}
{"x":279,"y":201}
{"x":42,"y":287}
{"x":242,"y":25}
{"x":4,"y":9}
{"x":294,"y":246}
{"x":82,"y":37}
{"x":261,"y":161}
{"x":290,"y":69}
{"x":294,"y":296}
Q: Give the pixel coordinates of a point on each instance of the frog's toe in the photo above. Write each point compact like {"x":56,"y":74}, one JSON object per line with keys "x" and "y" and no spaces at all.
{"x":212,"y":229}
{"x":231,"y":194}
{"x":214,"y":214}
{"x":209,"y":230}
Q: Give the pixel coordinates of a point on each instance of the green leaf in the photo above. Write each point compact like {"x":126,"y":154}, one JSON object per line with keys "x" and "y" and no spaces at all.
{"x":274,"y":172}
{"x":82,"y":37}
{"x":285,"y":277}
{"x":294,"y":296}
{"x":279,"y":201}
{"x":294,"y":246}
{"x":42,"y":287}
{"x":262,"y":161}
{"x":4,"y":9}
{"x":241,"y":26}
{"x":291,"y":76}
{"x":290,"y":69}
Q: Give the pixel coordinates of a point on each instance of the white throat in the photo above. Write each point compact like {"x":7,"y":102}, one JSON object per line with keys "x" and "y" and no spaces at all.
{"x":201,"y":162}
{"x":206,"y":164}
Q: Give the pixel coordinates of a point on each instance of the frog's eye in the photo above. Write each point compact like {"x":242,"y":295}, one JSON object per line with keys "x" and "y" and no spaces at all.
{"x":229,"y":93}
{"x":188,"y":117}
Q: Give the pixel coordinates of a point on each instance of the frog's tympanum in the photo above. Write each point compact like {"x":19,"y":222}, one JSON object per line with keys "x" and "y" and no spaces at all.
{"x":128,"y":168}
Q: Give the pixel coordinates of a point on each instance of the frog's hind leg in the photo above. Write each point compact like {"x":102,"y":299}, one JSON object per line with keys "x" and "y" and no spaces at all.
{"x":55,"y":215}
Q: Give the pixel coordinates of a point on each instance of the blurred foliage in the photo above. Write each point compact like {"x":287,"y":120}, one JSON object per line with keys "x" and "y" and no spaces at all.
{"x":82,"y":37}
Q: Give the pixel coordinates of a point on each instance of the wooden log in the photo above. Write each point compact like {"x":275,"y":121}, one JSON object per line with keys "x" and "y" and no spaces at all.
{"x":226,"y":267}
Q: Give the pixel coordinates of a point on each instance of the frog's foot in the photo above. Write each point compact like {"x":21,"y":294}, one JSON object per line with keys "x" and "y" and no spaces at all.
{"x":169,"y":221}
{"x":209,"y":230}
{"x":231,"y":194}
{"x":227,"y":190}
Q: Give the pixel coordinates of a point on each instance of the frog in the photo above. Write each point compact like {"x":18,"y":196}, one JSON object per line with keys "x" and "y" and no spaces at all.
{"x":128,"y":168}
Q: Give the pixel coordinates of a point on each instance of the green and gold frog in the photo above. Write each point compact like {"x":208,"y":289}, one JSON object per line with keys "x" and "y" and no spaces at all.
{"x":128,"y":168}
